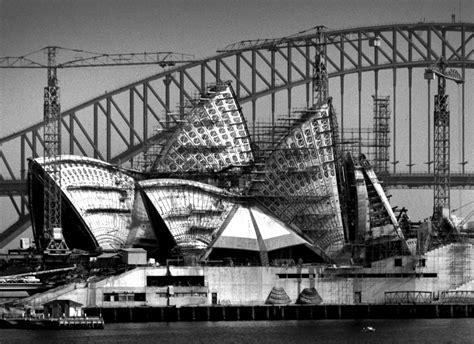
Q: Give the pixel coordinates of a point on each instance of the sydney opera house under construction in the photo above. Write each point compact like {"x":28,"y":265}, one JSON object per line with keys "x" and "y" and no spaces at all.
{"x":234,"y":217}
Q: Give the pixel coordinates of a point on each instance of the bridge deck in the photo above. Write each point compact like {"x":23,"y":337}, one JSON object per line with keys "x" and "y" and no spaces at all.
{"x":19,"y":187}
{"x":426,"y":180}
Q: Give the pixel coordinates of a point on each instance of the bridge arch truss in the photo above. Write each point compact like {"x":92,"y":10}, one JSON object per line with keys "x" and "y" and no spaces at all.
{"x":271,"y":79}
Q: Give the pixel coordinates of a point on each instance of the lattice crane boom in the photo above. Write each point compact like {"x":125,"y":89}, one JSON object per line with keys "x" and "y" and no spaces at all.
{"x":301,"y":38}
{"x":54,"y":243}
{"x":465,"y":220}
{"x":82,"y":58}
{"x":440,"y":70}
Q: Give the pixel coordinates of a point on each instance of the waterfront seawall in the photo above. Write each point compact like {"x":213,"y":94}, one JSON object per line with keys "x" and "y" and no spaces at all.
{"x":287,"y":312}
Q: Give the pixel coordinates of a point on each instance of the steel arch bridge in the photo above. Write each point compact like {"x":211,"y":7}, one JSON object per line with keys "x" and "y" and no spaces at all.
{"x":271,"y":78}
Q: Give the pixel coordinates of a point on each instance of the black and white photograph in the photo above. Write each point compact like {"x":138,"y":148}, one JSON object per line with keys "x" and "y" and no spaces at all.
{"x":236,"y":171}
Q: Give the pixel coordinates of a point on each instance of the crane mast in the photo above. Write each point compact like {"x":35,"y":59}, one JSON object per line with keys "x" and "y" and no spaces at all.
{"x":53,"y":242}
{"x":52,"y":150}
{"x":441,"y":149}
{"x":441,"y":144}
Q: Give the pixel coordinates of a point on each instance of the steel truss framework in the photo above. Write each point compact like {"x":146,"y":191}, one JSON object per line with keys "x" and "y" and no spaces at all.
{"x":276,"y":75}
{"x":398,"y":297}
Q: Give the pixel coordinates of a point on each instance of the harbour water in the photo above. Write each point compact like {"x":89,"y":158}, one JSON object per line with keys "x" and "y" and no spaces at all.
{"x":307,"y":331}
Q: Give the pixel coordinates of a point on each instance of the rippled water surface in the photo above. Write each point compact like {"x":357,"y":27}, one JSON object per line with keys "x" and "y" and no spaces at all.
{"x":311,"y":331}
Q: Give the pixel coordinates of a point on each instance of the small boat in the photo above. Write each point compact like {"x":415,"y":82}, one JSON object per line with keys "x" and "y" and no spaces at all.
{"x":367,"y":329}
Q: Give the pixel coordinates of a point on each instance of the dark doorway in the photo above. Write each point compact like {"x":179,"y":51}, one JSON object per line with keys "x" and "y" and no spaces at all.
{"x":357,"y":297}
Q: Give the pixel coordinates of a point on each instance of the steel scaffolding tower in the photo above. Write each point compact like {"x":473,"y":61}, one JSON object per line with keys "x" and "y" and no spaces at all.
{"x":381,"y":132}
{"x":373,"y":142}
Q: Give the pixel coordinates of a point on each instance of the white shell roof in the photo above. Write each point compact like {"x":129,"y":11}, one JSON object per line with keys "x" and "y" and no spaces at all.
{"x":306,"y":155}
{"x":76,"y":158}
{"x":152,"y":183}
{"x":192,"y":211}
{"x":101,"y":194}
{"x":248,"y":224}
{"x":213,"y":135}
{"x":240,"y":226}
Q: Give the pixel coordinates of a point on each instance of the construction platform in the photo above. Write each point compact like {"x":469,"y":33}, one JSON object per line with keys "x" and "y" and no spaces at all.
{"x":52,"y":323}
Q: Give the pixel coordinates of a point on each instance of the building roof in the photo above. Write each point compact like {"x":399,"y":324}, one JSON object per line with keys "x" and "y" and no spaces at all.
{"x":299,"y":180}
{"x":134,"y":250}
{"x":100,"y":195}
{"x":191,"y":211}
{"x":212,"y":136}
{"x":107,"y":255}
{"x":64,"y":302}
{"x":251,"y":229}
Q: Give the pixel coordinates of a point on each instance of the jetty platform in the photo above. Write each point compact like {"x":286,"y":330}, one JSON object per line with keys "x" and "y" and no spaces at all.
{"x":52,"y":323}
{"x":281,"y":312}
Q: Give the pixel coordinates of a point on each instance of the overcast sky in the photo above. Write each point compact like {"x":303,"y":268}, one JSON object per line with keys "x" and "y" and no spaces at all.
{"x":200,"y":26}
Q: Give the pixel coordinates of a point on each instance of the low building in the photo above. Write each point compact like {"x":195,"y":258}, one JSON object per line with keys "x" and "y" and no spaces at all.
{"x":62,"y":308}
{"x":439,"y":275}
{"x":134,"y":256}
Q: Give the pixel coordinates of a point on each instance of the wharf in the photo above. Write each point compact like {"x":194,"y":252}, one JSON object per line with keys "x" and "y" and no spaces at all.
{"x":284,"y":312}
{"x":52,"y":323}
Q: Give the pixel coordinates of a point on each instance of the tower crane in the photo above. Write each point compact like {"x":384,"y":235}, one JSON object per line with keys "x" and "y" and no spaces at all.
{"x":441,"y":140}
{"x":314,"y":36}
{"x":54,"y":243}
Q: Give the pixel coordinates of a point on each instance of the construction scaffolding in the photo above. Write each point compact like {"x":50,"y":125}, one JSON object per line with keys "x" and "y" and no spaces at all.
{"x":382,"y":139}
{"x":460,"y":264}
{"x":359,"y":140}
{"x":293,"y":168}
{"x":154,"y":145}
{"x":373,"y":142}
{"x":295,"y":175}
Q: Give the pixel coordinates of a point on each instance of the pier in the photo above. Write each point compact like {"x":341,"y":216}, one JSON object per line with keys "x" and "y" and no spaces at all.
{"x":288,"y":312}
{"x":52,"y":323}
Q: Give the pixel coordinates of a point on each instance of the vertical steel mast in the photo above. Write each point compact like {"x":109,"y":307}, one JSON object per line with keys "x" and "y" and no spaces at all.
{"x":52,"y":150}
{"x":320,"y":74}
{"x":441,"y":149}
{"x":441,"y":139}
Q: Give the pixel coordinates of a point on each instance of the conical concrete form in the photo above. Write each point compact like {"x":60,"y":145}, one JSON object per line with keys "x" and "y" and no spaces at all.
{"x":309,"y":296}
{"x":278,"y":296}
